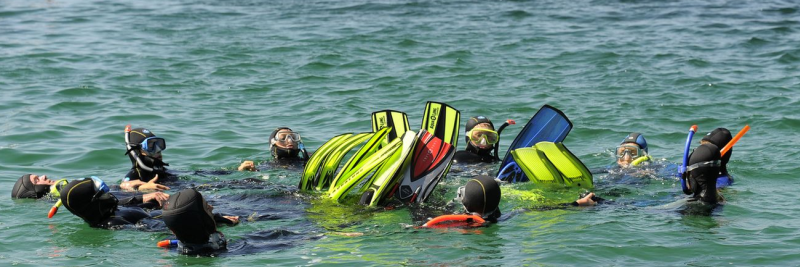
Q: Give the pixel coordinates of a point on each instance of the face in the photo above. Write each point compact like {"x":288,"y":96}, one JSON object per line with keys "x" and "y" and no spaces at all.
{"x":285,"y":140}
{"x":627,"y":155}
{"x":156,"y":155}
{"x":41,"y":180}
{"x":482,"y":126}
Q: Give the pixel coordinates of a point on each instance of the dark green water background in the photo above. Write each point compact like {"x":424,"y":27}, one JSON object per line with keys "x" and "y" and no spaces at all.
{"x":215,"y":77}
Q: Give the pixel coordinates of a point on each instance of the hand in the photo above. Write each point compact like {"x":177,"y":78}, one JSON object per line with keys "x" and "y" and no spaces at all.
{"x":159,"y":197}
{"x":152,"y":185}
{"x":131,"y":185}
{"x":234,"y":219}
{"x":247,"y":165}
{"x":587,"y":200}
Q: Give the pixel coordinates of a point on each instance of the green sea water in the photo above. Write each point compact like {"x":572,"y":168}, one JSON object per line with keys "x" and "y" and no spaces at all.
{"x":215,"y":77}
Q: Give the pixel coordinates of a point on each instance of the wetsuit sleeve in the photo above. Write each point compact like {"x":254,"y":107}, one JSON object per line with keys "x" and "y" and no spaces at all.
{"x":126,"y":215}
{"x":132,"y":175}
{"x":131,"y":201}
{"x":114,"y":221}
{"x":466,"y":157}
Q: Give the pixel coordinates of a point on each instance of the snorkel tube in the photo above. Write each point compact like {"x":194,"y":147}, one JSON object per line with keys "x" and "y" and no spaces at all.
{"x":682,"y":169}
{"x":640,"y":160}
{"x":132,"y":149}
{"x":500,"y":130}
{"x":54,"y":209}
{"x":734,"y":140}
{"x":305,"y":153}
{"x":54,"y":192}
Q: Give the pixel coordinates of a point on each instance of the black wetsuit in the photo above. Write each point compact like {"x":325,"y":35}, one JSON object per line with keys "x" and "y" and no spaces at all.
{"x":132,"y":210}
{"x":139,"y":174}
{"x":469,"y":157}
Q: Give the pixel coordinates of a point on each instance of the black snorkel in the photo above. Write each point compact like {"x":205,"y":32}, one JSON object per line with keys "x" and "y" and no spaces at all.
{"x":500,"y":130}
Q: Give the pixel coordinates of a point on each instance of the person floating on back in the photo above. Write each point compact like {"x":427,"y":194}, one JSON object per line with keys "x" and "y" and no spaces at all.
{"x":36,"y":186}
{"x":90,"y":199}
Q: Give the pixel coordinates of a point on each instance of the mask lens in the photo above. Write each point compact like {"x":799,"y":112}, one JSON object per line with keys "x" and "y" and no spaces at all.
{"x":154,"y":145}
{"x":483,"y":135}
{"x":631,"y":150}
{"x":285,"y":136}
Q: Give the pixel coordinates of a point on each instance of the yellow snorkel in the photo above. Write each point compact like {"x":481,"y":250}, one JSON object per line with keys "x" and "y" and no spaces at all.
{"x":639,"y":160}
{"x":55,"y":191}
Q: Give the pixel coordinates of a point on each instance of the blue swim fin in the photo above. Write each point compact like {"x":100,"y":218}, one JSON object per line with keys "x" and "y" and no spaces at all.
{"x":549,"y":124}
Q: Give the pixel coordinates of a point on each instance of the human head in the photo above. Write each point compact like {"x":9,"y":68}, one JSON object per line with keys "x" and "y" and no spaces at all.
{"x":481,"y":196}
{"x":702,"y":170}
{"x":31,"y":186}
{"x":89,"y":199}
{"x":284,"y":143}
{"x":189,"y":217}
{"x":144,"y":149}
{"x":633,"y":146}
{"x":480,"y":141}
{"x":720,"y":137}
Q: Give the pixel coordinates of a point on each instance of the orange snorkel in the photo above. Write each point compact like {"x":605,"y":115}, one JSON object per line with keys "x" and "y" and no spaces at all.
{"x":54,"y":209}
{"x":734,"y":140}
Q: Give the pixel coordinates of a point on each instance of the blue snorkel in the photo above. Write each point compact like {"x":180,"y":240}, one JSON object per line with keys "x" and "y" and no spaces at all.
{"x":682,"y":169}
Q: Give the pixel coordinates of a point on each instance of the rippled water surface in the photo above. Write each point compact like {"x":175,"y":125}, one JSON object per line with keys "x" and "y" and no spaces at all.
{"x":215,"y":77}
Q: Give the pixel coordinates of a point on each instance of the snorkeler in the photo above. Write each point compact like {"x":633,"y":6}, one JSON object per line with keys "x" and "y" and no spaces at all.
{"x":144,"y":150}
{"x":36,"y":186}
{"x":90,"y":199}
{"x":286,"y":148}
{"x":632,"y":150}
{"x":480,"y":198}
{"x":720,"y":137}
{"x":481,"y":139}
{"x":701,"y":173}
{"x":190,"y":218}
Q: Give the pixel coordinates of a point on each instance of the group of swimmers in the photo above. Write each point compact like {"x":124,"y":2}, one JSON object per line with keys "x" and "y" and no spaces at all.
{"x":192,"y":220}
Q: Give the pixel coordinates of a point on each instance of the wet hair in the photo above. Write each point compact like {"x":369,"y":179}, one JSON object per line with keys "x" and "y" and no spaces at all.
{"x":187,"y":215}
{"x":482,"y":196}
{"x":471,"y":123}
{"x":721,"y":137}
{"x":635,"y":138}
{"x":82,"y":199}
{"x":703,"y":168}
{"x":279,"y":152}
{"x":24,"y":188}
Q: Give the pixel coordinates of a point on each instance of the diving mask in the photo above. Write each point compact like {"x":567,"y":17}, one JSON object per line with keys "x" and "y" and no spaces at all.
{"x":482,"y":136}
{"x":99,"y":186}
{"x":632,"y":150}
{"x":154,"y":145}
{"x":286,"y":136}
